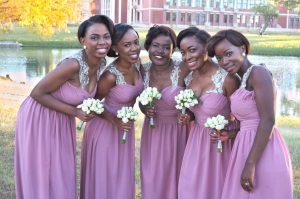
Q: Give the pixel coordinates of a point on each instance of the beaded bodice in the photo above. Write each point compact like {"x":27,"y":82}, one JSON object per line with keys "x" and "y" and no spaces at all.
{"x":247,"y":74}
{"x":84,"y":68}
{"x":120,"y":80}
{"x":218,"y":79}
{"x":173,"y":76}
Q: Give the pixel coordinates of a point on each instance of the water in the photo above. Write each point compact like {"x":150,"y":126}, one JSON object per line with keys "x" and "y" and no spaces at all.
{"x":30,"y":65}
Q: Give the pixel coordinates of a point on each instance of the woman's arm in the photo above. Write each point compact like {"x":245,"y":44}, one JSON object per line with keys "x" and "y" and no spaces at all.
{"x":67,"y":70}
{"x":231,"y":84}
{"x":261,"y":82}
{"x":106,"y":83}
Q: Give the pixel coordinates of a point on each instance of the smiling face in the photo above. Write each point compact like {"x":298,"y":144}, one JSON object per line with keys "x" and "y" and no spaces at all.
{"x":193,"y":52}
{"x":229,"y":56}
{"x":97,"y":40}
{"x":161,"y":50}
{"x":128,"y":47}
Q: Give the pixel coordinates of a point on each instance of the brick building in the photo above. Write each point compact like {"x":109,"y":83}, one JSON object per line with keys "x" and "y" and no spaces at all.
{"x":219,"y":13}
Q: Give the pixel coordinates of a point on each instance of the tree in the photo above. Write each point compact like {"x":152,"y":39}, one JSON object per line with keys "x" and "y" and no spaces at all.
{"x":9,"y":13}
{"x":269,"y":13}
{"x":290,"y":4}
{"x":42,"y":16}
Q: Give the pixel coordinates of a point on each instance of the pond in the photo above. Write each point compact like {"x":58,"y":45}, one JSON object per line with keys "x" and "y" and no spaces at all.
{"x":30,"y":65}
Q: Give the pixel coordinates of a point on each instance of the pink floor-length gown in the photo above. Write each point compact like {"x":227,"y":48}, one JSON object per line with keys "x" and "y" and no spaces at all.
{"x":204,"y":168}
{"x":45,"y":153}
{"x":162,"y":147}
{"x":273,"y":171}
{"x":108,"y":165}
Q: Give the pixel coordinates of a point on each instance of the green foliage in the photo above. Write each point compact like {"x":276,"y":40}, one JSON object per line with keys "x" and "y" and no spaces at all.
{"x":42,"y":16}
{"x":290,"y":4}
{"x":269,"y":13}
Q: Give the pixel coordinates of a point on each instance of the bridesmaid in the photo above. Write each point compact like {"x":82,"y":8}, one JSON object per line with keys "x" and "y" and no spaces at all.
{"x":162,"y":147}
{"x":108,"y":165}
{"x":203,"y":168}
{"x":45,"y":131}
{"x":260,"y":165}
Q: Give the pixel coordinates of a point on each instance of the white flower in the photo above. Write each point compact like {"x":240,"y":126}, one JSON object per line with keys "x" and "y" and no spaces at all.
{"x":149,"y":95}
{"x":91,"y":105}
{"x":127,"y":113}
{"x":217,"y":123}
{"x":185,"y":99}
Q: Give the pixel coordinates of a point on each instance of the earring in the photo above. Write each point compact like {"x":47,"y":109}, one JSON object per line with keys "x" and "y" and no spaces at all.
{"x":117,"y":53}
{"x":84,"y":46}
{"x":244,"y":54}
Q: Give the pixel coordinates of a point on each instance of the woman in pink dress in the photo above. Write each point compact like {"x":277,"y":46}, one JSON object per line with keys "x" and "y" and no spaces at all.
{"x":260,"y":165}
{"x":203,"y":168}
{"x":107,"y":165}
{"x":162,"y":147}
{"x":45,"y":154}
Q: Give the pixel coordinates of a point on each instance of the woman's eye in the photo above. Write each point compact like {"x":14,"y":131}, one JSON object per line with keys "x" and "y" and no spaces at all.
{"x":107,"y":37}
{"x":94,"y":38}
{"x":218,"y":59}
{"x":228,"y":54}
{"x":192,"y":50}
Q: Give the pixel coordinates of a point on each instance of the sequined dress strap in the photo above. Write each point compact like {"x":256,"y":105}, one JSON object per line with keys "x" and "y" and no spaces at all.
{"x":84,"y":68}
{"x":146,"y":77}
{"x":188,"y":79}
{"x":173,"y":76}
{"x":120,"y":80}
{"x":175,"y":73}
{"x":218,"y":79}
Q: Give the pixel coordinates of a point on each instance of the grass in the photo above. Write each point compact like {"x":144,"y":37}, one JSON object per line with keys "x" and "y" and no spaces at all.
{"x":290,"y":128}
{"x":270,"y":44}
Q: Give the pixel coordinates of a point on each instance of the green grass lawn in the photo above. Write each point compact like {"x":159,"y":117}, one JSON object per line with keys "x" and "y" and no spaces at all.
{"x":289,"y":127}
{"x":270,"y":44}
{"x":7,"y":119}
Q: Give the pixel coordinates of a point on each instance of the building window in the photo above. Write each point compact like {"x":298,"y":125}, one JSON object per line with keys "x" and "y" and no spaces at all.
{"x":198,"y":3}
{"x":231,"y":19}
{"x":203,"y":3}
{"x":225,"y":19}
{"x":174,"y":16}
{"x":211,"y":18}
{"x":188,"y":2}
{"x":189,"y":17}
{"x":252,"y":3}
{"x":217,"y":2}
{"x":291,"y":23}
{"x":242,"y":4}
{"x":212,"y":3}
{"x":168,"y":16}
{"x":230,"y":3}
{"x":238,"y":19}
{"x":217,"y":18}
{"x":297,"y":22}
{"x":197,"y":18}
{"x":225,"y":3}
{"x":183,"y":2}
{"x":182,"y":17}
{"x":203,"y":18}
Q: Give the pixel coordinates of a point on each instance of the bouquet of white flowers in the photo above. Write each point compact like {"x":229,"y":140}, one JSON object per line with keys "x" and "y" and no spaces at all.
{"x":216,"y":124}
{"x":126,"y":113}
{"x":147,"y":98}
{"x":90,"y":105}
{"x":185,"y":99}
